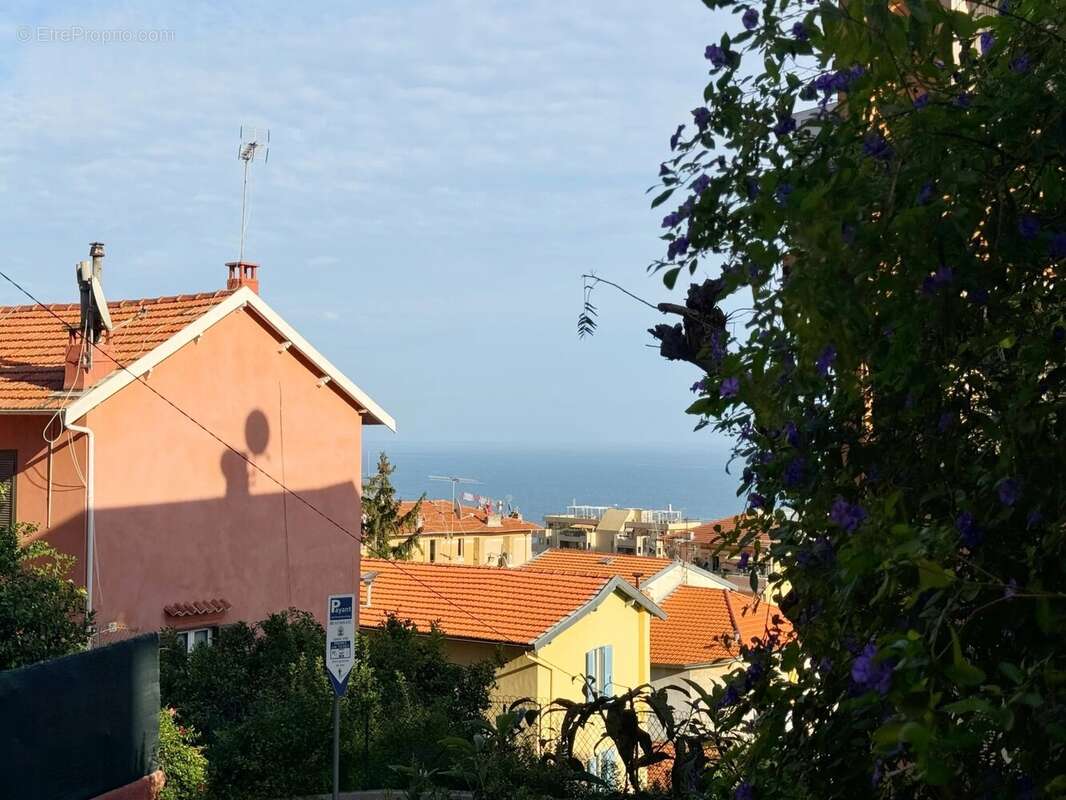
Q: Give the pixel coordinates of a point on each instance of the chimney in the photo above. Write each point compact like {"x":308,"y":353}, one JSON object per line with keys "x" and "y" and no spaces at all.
{"x":368,"y":581}
{"x":494,"y":520}
{"x":243,"y":273}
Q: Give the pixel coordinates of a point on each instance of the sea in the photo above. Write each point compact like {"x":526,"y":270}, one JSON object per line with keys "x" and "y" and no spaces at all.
{"x":539,"y":480}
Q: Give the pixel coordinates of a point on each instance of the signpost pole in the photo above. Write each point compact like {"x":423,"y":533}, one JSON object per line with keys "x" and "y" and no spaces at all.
{"x":336,"y":746}
{"x":340,"y":656}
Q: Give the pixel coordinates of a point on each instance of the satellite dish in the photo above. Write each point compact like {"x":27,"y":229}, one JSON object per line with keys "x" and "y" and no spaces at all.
{"x":100,"y":302}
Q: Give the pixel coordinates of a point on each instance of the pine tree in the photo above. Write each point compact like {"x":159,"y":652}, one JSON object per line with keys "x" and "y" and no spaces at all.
{"x":382,"y":521}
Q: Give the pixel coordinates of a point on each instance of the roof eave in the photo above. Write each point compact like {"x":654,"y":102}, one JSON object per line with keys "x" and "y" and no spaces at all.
{"x":241,"y":299}
{"x":612,"y":585}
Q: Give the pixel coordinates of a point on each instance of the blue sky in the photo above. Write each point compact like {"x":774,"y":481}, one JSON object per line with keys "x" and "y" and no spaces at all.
{"x":440,"y":175}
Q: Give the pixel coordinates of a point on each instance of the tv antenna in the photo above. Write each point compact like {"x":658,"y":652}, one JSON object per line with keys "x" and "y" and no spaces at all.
{"x":252,"y":141}
{"x":454,"y":481}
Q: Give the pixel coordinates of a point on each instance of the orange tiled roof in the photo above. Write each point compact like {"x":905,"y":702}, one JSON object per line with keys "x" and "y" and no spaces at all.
{"x":703,"y":625}
{"x":597,"y":564}
{"x":33,"y":343}
{"x":488,"y":603}
{"x":438,"y":516}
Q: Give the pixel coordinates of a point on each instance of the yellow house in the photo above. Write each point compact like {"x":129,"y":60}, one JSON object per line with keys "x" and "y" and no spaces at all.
{"x":707,"y":617}
{"x":548,"y":630}
{"x":457,"y":534}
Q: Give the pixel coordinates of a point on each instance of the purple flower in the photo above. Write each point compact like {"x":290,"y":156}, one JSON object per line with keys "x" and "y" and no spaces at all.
{"x":987,"y":40}
{"x":730,"y":387}
{"x":1010,"y":591}
{"x":678,"y":247}
{"x":716,"y":55}
{"x":795,"y":472}
{"x":825,"y":360}
{"x":743,"y":563}
{"x":702,"y":117}
{"x":791,"y":434}
{"x":1058,"y":334}
{"x":1020,"y":64}
{"x":940,"y":279}
{"x":1009,"y":491}
{"x":697,"y":386}
{"x":730,"y":697}
{"x":1029,"y":226}
{"x":846,"y":515}
{"x":963,"y":100}
{"x":672,"y":219}
{"x":946,"y":420}
{"x":756,"y":500}
{"x":752,"y":187}
{"x":925,"y":194}
{"x":869,"y":674}
{"x":921,"y":101}
{"x":786,"y":123}
{"x":676,"y":137}
{"x":799,"y":32}
{"x":875,"y":146}
{"x":978,"y":296}
{"x":969,"y":530}
{"x":750,"y":19}
{"x":701,"y":184}
{"x":784,"y":191}
{"x":744,"y":792}
{"x":1057,"y":246}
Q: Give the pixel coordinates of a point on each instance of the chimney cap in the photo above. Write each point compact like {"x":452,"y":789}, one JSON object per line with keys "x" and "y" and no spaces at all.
{"x":96,"y":249}
{"x":243,"y":273}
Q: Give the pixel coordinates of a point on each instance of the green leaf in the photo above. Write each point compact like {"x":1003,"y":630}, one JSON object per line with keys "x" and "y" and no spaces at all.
{"x":962,"y":671}
{"x":663,"y":197}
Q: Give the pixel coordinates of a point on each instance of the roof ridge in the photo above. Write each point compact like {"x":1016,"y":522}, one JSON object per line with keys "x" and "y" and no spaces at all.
{"x":124,"y":303}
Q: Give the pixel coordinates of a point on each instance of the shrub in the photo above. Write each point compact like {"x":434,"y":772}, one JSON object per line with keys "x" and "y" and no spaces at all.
{"x":42,"y":611}
{"x":181,"y":759}
{"x":261,"y":699}
{"x":885,"y":343}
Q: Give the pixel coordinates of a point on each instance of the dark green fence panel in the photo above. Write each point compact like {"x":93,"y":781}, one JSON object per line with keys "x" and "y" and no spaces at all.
{"x":79,"y":726}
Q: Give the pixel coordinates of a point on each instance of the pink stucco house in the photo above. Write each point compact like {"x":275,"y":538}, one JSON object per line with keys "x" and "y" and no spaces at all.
{"x":153,"y":445}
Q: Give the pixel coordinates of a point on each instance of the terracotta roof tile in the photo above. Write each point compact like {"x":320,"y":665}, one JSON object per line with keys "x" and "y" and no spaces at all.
{"x":488,"y":603}
{"x":597,"y":564}
{"x":438,"y":516}
{"x":33,"y":342}
{"x":702,"y":625}
{"x":197,"y":608}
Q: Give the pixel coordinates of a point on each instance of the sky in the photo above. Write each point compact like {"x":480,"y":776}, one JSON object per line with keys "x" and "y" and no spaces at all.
{"x":440,"y":175}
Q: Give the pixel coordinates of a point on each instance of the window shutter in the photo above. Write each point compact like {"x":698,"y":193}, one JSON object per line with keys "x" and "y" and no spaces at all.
{"x":8,"y":466}
{"x":590,"y":672}
{"x":608,"y":670}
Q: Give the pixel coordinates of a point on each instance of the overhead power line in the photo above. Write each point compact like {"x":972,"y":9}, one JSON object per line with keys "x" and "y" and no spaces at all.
{"x":354,"y":536}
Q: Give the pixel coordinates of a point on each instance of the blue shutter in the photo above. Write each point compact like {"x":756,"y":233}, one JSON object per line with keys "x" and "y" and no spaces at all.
{"x":608,"y":670}
{"x":590,"y":672}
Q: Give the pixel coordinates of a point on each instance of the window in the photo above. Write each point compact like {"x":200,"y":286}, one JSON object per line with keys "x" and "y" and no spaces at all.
{"x":459,"y":549}
{"x":8,"y":469}
{"x":602,"y":764}
{"x":192,"y":639}
{"x":599,"y":667}
{"x":432,"y":549}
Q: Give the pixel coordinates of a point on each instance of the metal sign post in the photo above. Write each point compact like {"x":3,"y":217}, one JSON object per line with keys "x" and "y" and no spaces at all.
{"x":340,"y":656}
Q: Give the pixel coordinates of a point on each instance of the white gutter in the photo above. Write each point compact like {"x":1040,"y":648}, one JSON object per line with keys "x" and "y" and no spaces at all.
{"x":90,"y":509}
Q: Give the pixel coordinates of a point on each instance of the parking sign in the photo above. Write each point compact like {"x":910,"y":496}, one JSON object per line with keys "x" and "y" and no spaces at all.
{"x":340,"y":640}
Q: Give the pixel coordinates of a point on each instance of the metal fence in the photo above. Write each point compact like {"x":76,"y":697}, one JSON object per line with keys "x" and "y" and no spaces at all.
{"x":543,"y":736}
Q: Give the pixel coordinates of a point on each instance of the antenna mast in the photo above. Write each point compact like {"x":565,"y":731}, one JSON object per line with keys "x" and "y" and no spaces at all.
{"x":251,"y":143}
{"x":454,"y":482}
